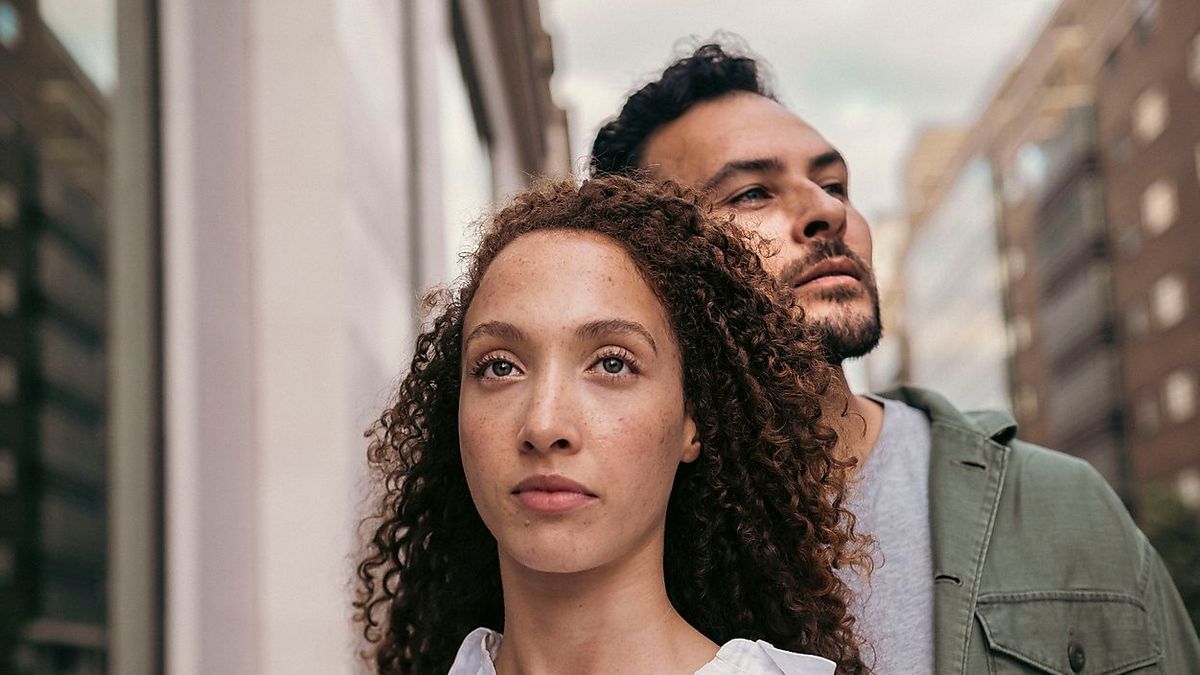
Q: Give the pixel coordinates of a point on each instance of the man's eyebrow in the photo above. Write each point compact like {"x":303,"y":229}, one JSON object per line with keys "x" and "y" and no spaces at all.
{"x":595,"y":329}
{"x":736,"y":166}
{"x":825,"y":159}
{"x":499,"y":329}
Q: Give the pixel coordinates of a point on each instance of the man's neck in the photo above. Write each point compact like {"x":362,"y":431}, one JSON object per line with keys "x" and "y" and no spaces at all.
{"x":614,"y":619}
{"x":857,"y":419}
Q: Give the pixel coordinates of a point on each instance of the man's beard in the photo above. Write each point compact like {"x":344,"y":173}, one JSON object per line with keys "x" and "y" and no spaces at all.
{"x":845,"y":334}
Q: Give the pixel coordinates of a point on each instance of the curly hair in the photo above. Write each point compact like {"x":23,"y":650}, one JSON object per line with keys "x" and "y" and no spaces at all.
{"x":710,"y":72}
{"x":756,"y":526}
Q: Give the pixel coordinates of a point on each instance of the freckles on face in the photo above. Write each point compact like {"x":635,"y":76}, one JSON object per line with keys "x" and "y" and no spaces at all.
{"x":571,"y":414}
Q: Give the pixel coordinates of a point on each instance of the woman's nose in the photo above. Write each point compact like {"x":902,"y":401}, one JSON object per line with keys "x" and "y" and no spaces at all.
{"x":551,"y":420}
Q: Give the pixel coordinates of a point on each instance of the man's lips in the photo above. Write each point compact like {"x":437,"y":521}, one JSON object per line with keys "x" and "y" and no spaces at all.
{"x":552,"y":494}
{"x":828,"y":271}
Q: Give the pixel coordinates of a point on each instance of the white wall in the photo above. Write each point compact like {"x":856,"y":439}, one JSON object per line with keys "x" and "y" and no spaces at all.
{"x":290,"y":290}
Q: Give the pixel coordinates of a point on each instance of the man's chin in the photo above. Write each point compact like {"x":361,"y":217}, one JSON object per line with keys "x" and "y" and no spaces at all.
{"x":847,"y":333}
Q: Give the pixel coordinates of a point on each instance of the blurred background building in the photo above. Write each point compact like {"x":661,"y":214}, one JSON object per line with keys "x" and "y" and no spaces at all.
{"x":216,"y":221}
{"x":1052,"y":262}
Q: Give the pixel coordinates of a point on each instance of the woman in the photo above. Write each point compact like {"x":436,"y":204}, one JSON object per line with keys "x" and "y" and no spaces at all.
{"x":610,"y":447}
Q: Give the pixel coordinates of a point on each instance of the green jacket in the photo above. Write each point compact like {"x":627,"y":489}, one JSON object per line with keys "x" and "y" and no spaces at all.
{"x":1038,"y":567}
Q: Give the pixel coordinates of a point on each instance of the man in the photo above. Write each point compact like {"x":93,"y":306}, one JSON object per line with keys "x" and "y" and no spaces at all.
{"x":993,"y":555}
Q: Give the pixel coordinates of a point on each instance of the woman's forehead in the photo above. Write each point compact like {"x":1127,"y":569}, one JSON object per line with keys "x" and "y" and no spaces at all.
{"x":565,"y":276}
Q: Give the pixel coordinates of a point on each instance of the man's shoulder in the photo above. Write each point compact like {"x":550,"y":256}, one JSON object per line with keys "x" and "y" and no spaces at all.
{"x":1037,"y":468}
{"x":1052,"y":510}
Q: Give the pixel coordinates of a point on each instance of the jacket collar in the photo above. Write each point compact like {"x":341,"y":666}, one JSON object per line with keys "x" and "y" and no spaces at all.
{"x":968,"y":461}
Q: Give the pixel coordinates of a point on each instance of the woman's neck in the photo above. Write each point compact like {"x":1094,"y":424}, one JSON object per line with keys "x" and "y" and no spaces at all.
{"x":611,"y":619}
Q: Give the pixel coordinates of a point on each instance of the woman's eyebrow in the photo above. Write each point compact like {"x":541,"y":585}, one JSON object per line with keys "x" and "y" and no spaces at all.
{"x":601,"y":327}
{"x":499,"y":329}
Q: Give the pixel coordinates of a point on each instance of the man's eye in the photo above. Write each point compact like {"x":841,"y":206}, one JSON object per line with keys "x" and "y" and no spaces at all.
{"x":749,"y":196}
{"x":836,"y":189}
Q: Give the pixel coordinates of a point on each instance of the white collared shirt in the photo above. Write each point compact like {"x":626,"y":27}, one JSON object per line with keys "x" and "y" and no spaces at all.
{"x":736,"y":657}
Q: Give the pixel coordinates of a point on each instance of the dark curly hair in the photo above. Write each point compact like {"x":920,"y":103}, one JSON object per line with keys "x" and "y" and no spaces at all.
{"x":710,"y":72}
{"x":755,"y":526}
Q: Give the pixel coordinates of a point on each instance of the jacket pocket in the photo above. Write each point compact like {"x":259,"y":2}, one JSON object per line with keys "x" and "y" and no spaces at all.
{"x":1068,"y":633}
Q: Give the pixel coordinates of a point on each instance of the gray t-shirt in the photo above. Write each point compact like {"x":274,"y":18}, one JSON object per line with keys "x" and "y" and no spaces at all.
{"x":890,"y":497}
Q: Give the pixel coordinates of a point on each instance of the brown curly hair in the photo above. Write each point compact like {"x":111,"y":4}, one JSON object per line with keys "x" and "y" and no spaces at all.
{"x":755,"y":527}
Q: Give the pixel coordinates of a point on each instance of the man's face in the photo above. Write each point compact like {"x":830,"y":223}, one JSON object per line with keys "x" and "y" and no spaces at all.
{"x":775,"y":173}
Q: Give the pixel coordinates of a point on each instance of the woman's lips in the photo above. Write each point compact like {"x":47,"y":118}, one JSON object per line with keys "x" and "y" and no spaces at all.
{"x":552,"y":494}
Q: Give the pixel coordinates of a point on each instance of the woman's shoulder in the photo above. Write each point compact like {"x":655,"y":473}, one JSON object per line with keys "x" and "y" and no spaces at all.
{"x":757,"y":657}
{"x":477,"y":653}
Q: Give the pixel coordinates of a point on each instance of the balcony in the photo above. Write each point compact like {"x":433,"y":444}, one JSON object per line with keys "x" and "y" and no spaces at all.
{"x":1071,"y":230}
{"x":1078,"y":315}
{"x":1084,"y":399}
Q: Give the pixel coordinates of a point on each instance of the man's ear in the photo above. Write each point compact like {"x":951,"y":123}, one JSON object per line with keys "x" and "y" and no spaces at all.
{"x":692,"y":450}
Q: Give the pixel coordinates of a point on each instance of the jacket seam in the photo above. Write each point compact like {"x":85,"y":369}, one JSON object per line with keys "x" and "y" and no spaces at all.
{"x":987,"y":541}
{"x":1147,"y":563}
{"x":1080,"y":595}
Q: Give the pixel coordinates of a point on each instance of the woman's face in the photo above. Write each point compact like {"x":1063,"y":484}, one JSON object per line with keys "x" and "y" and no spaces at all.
{"x":572,"y":420}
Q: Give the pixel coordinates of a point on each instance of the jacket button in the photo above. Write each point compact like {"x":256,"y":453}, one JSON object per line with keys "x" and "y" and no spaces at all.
{"x":1076,"y":656}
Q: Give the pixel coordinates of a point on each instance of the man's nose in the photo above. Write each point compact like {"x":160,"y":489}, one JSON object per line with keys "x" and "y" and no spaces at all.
{"x":818,"y":214}
{"x":551,"y":419}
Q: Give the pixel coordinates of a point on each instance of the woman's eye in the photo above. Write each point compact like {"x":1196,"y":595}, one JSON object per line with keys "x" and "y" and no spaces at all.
{"x":749,"y":196}
{"x":612,"y":365}
{"x":500,"y":368}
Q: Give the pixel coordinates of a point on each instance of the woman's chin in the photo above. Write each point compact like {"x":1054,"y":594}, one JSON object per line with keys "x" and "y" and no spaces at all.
{"x":554,"y":555}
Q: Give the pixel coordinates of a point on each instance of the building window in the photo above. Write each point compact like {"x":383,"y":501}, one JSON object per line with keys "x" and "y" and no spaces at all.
{"x":1179,"y":395}
{"x":467,"y":182}
{"x":9,"y":293}
{"x":1187,"y":484}
{"x":1121,"y":147}
{"x":1113,"y":60}
{"x":8,"y":471}
{"x":1014,"y":263}
{"x":10,"y":383}
{"x":10,"y":26}
{"x":1147,"y":413}
{"x":1160,"y":206}
{"x":1150,"y":114}
{"x":1129,"y":240}
{"x":1026,"y":401}
{"x":1137,"y":320}
{"x":1194,"y":61}
{"x":1024,"y":333}
{"x":7,"y":563}
{"x":1147,"y":16}
{"x":1169,"y":300}
{"x":10,"y":205}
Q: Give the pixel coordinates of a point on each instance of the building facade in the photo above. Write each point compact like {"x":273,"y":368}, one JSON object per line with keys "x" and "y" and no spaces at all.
{"x":1148,"y":116}
{"x":1091,"y":227}
{"x":217,"y":221}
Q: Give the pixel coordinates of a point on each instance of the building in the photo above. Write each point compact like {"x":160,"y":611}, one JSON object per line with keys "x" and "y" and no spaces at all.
{"x":929,"y":157}
{"x":1071,"y":206}
{"x":54,"y":351}
{"x":1148,"y":117}
{"x":211,"y":262}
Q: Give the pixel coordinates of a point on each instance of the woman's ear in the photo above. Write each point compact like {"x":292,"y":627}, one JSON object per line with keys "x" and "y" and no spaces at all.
{"x":690,"y":432}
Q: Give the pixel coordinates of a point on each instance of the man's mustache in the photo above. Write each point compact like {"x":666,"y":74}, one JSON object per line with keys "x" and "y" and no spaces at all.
{"x":820,"y":251}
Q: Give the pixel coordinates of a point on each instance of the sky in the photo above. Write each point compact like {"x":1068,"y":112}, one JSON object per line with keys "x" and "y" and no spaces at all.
{"x":868,"y":74}
{"x":87,"y":28}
